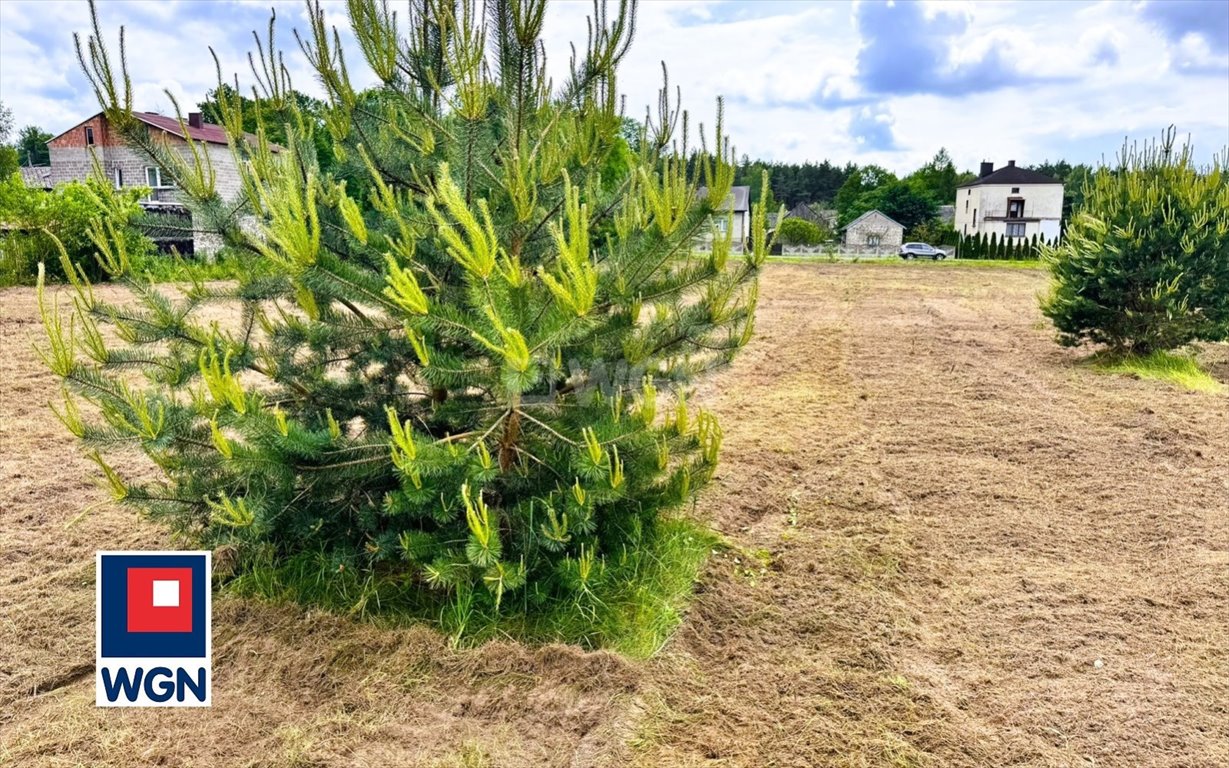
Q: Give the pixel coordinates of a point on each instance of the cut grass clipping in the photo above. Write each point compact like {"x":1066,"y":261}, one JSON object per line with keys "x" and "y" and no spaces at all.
{"x":1172,"y":367}
{"x":634,"y":601}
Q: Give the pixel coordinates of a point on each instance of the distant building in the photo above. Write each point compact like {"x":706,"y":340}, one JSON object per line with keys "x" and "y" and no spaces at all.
{"x":812,"y":212}
{"x":739,"y":203}
{"x":874,"y":230}
{"x":128,"y":167}
{"x":1011,"y":202}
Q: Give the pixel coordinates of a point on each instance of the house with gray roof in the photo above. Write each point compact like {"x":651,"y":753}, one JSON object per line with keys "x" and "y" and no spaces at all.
{"x":814,"y":213}
{"x":1012,"y":202}
{"x":738,"y":205}
{"x":874,"y":230}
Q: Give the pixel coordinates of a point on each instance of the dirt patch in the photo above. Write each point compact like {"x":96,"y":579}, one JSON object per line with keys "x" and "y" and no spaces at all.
{"x":953,"y":545}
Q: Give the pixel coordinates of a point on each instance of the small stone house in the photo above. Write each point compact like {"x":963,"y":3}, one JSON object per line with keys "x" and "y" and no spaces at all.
{"x":128,"y":167}
{"x":874,"y":230}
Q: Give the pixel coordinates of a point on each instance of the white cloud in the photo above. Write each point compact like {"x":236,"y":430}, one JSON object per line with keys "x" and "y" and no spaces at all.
{"x":787,"y":69}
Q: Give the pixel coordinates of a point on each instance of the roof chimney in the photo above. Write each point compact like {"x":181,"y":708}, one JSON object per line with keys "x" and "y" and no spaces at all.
{"x":1011,"y":163}
{"x":195,"y":120}
{"x":986,"y":169}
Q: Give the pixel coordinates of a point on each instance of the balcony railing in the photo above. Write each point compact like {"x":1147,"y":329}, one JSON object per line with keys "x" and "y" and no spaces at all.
{"x":1028,"y":213}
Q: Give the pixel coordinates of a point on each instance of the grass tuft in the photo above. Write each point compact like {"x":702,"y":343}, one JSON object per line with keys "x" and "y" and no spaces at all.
{"x":1173,"y":367}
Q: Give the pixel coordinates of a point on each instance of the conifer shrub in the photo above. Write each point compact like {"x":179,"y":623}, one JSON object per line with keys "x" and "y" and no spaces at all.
{"x":464,"y":392}
{"x":1144,"y":266}
{"x":795,"y":231}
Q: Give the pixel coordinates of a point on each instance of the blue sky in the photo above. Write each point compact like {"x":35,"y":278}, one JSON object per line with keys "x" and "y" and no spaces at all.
{"x":866,"y":81}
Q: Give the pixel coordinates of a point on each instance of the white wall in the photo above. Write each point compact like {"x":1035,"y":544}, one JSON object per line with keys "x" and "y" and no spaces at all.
{"x":1042,"y":202}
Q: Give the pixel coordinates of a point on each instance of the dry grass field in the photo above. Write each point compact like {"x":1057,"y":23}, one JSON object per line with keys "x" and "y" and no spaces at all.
{"x":952,"y":544}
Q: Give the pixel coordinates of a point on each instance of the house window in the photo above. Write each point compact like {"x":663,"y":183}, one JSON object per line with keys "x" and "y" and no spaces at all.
{"x":1015,"y":230}
{"x":119,"y":178}
{"x":974,"y":218}
{"x":1015,"y":190}
{"x":872,"y":240}
{"x":966,"y":206}
{"x":1015,"y":208}
{"x":89,"y":136}
{"x":154,"y":179}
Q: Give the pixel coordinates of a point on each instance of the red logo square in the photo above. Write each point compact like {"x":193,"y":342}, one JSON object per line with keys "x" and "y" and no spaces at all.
{"x":159,"y":599}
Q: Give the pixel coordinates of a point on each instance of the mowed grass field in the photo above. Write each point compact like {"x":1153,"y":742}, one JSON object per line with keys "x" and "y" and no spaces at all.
{"x":951,"y":543}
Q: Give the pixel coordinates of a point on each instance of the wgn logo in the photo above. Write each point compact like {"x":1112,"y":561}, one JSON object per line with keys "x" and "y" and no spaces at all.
{"x":153,"y":638}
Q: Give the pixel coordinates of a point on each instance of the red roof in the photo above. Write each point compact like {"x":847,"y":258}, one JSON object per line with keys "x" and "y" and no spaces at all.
{"x":208,"y":132}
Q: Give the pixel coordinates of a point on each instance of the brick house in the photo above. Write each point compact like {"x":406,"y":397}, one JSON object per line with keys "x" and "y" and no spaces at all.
{"x":129,"y":167}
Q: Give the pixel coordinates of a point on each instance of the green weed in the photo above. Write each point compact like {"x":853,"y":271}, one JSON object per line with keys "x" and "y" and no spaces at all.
{"x":1174,"y":367}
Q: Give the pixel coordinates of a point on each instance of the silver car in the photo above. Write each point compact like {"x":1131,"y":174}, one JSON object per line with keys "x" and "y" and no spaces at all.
{"x":921,"y":251}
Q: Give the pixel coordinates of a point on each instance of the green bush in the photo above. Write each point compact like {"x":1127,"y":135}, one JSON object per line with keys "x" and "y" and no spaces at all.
{"x":8,"y":161}
{"x":795,"y":231}
{"x":75,"y":213}
{"x":463,"y":403}
{"x":1145,"y":265}
{"x":935,"y":232}
{"x":227,"y":264}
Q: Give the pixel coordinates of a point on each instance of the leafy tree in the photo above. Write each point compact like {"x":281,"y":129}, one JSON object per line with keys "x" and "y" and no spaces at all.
{"x":1145,"y":265}
{"x":466,"y":399}
{"x":896,"y":199}
{"x":35,"y":224}
{"x":8,"y":161}
{"x":6,"y":122}
{"x":795,"y":231}
{"x":861,"y":181}
{"x":274,"y":114}
{"x":935,"y":232}
{"x":32,"y":146}
{"x":936,"y":179}
{"x":8,"y":155}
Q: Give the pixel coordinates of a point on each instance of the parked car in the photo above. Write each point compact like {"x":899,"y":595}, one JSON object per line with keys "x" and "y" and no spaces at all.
{"x":921,"y":251}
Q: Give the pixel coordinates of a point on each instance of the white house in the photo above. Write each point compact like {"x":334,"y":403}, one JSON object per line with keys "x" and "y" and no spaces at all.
{"x":1010,"y":202}
{"x":737,"y":202}
{"x":874,"y":230}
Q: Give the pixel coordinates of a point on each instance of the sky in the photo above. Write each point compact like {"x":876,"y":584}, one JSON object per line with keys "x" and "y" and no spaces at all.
{"x":863,"y":81}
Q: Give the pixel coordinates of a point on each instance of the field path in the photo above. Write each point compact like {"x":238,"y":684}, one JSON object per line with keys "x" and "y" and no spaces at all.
{"x":951,"y":544}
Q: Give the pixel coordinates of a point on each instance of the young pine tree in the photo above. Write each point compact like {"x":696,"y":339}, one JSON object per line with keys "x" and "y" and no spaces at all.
{"x":466,"y":382}
{"x":1144,"y":266}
